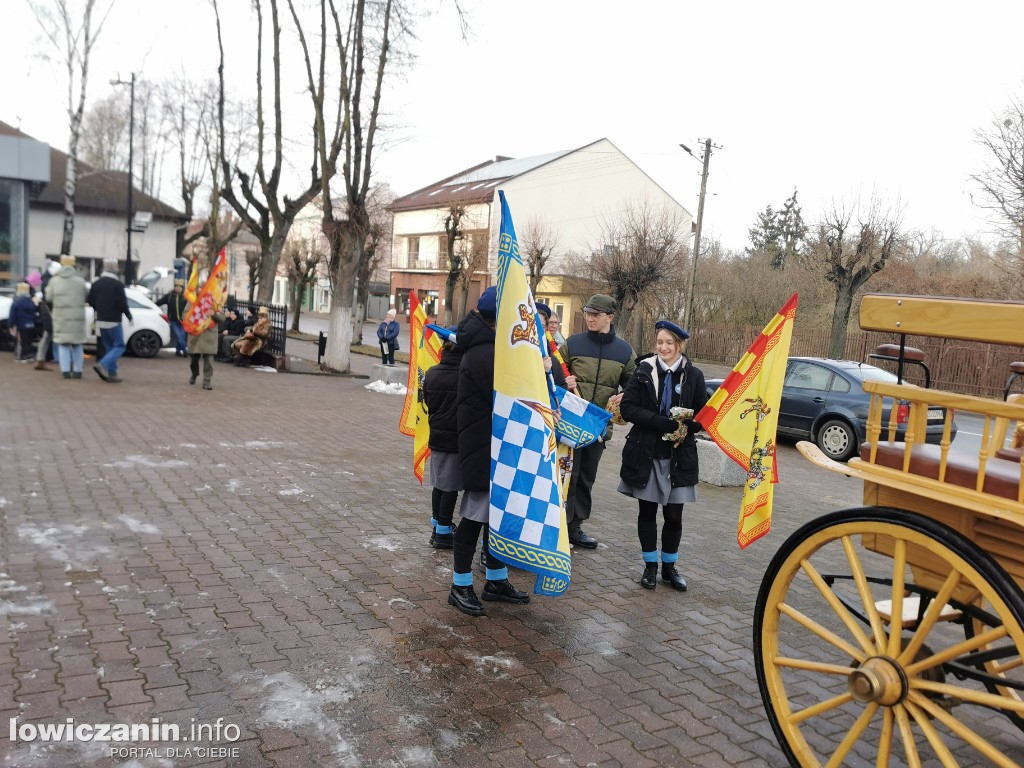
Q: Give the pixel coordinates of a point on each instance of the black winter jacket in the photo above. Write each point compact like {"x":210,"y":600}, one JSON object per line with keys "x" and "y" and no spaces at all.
{"x":640,"y":406}
{"x":440,"y":393}
{"x":176,"y":305}
{"x":107,"y":297}
{"x":475,"y":401}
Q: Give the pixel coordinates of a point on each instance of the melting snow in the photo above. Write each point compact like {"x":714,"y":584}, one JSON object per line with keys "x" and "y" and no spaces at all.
{"x":386,"y":389}
{"x":145,"y":461}
{"x":293,"y":491}
{"x":137,"y":526}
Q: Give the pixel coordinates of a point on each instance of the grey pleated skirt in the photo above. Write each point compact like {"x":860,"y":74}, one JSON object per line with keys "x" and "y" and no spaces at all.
{"x":445,"y":474}
{"x":476,"y":505}
{"x":659,"y":487}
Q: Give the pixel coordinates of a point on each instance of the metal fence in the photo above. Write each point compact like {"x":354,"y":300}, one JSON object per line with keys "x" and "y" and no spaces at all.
{"x":971,"y":368}
{"x":278,"y":323}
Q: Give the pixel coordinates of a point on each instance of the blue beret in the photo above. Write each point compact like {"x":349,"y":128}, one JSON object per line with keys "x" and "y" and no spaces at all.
{"x":671,"y":328}
{"x":544,"y":309}
{"x":488,"y":303}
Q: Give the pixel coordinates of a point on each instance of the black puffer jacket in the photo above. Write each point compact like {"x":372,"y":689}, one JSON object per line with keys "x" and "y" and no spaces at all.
{"x":440,"y":393}
{"x":475,"y":401}
{"x":640,"y":406}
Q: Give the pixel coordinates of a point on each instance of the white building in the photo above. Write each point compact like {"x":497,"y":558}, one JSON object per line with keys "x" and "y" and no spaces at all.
{"x":101,"y":220}
{"x":574,"y":193}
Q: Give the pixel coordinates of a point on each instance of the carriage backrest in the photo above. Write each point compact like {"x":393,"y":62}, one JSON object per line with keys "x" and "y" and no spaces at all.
{"x":994,"y":322}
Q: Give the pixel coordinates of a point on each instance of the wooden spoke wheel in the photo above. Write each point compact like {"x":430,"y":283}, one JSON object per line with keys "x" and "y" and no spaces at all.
{"x":884,"y":638}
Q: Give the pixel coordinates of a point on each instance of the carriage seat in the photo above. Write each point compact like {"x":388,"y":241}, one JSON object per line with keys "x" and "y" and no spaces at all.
{"x":1002,"y":476}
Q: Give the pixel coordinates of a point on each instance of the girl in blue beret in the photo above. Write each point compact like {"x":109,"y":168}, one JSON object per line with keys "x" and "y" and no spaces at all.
{"x":655,"y":470}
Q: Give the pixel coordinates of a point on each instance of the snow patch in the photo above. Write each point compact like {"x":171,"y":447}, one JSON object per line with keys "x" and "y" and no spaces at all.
{"x":63,"y":543}
{"x":386,"y":389}
{"x":138,"y":460}
{"x":381,"y":542}
{"x":293,"y":491}
{"x":36,"y":606}
{"x":137,"y":526}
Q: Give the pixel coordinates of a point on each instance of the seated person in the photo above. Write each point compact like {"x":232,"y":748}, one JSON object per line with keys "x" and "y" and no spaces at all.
{"x":254,"y":339}
{"x":230,"y":330}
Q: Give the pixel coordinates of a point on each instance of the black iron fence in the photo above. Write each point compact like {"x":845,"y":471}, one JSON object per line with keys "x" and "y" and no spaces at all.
{"x":278,"y":323}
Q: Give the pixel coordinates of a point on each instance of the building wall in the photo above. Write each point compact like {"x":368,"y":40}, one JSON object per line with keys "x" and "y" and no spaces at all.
{"x":578,"y":192}
{"x":98,"y":237}
{"x":428,"y":226}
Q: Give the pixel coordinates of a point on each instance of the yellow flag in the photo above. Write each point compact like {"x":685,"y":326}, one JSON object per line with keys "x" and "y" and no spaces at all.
{"x":742,"y":417}
{"x":424,"y":353}
{"x":193,"y":282}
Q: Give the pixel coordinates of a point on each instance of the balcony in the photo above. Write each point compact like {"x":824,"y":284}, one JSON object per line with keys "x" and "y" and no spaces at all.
{"x":411,"y":262}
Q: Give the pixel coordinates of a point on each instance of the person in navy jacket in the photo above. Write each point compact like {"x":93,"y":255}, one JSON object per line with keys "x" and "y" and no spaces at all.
{"x":387,"y":337}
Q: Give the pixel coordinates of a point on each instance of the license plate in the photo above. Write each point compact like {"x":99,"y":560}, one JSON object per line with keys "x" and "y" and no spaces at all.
{"x":935,"y":414}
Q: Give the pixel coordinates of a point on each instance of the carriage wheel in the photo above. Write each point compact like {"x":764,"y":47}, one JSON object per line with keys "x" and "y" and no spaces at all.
{"x":1001,"y":663}
{"x":841,"y":687}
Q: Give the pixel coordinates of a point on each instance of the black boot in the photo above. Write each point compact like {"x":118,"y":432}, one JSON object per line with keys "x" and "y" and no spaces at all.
{"x":465,"y":599}
{"x":650,"y":578}
{"x":505,"y":592}
{"x":671,"y":575}
{"x":442,"y":541}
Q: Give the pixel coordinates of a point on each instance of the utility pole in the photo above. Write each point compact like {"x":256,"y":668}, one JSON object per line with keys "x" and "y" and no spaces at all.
{"x":129,"y":271}
{"x":700,"y":223}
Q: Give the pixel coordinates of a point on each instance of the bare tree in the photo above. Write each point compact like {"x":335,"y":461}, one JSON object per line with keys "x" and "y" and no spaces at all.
{"x":454,"y":235}
{"x":537,"y":246}
{"x":302,"y":258}
{"x":103,"y":140}
{"x":258,"y":199}
{"x":474,"y":260}
{"x":378,"y":246}
{"x":72,"y":38}
{"x":1002,"y":179}
{"x":852,"y":244}
{"x":637,"y":251}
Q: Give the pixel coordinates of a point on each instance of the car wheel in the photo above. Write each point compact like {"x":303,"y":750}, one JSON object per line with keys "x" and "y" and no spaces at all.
{"x":144,"y":344}
{"x":837,"y":439}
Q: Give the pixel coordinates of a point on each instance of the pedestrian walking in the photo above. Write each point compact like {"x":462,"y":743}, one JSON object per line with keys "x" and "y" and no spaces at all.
{"x":66,"y":293}
{"x":176,"y":304}
{"x":475,"y":337}
{"x":204,"y":345}
{"x":600,"y":363}
{"x":109,"y":302}
{"x":655,"y":470}
{"x":387,"y":337}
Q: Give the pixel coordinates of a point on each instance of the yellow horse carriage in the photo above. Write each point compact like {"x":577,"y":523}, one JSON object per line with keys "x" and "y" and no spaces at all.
{"x":892,"y":634}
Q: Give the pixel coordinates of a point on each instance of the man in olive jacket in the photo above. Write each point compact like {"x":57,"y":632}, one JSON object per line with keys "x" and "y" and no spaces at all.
{"x":600,"y":364}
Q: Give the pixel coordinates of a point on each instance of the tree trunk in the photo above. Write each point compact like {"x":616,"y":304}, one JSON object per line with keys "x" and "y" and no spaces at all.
{"x":840,"y":320}
{"x":463,"y":307}
{"x":449,"y":298}
{"x":339,"y":331}
{"x":362,"y":297}
{"x":297,"y":296}
{"x":270,"y":260}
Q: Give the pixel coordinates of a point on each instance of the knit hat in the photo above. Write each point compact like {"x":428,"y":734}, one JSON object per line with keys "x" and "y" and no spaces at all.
{"x":544,"y":309}
{"x":35,"y":279}
{"x":53,"y":268}
{"x":487,"y":305}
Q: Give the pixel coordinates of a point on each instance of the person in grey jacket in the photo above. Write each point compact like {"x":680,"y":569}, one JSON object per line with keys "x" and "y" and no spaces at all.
{"x":66,"y":293}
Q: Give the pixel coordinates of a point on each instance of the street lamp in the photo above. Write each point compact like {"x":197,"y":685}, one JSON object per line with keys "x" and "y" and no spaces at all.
{"x":129,"y":272}
{"x":700,"y":222}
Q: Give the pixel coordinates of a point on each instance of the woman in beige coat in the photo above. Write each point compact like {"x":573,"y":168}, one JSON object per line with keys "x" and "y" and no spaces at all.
{"x":66,"y":293}
{"x":255,"y":338}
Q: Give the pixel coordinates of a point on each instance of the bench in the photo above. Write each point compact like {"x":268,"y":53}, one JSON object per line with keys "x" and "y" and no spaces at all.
{"x":1002,"y":477}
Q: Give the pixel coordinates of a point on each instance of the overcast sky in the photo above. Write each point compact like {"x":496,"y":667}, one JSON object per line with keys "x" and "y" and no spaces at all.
{"x":835,"y":98}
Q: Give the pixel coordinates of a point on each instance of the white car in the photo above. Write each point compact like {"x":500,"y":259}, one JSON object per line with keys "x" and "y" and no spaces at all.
{"x":144,"y":336}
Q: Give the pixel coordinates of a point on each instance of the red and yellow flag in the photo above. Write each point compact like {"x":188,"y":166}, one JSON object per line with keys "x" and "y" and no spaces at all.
{"x":424,"y":353}
{"x":742,"y":417}
{"x":213,"y":296}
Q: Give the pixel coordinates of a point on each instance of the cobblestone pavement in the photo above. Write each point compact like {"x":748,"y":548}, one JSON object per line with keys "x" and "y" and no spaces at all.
{"x":257,"y":555}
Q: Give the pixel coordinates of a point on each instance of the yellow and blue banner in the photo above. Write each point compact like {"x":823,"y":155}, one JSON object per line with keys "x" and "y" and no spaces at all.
{"x":742,"y":417}
{"x":527,"y":524}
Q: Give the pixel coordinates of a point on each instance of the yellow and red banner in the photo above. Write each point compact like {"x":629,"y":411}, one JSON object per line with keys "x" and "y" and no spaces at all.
{"x":199,"y":315}
{"x":424,"y":353}
{"x":193,"y":282}
{"x":742,"y":417}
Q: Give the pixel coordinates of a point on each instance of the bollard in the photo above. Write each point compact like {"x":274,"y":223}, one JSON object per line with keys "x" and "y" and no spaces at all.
{"x":321,"y":346}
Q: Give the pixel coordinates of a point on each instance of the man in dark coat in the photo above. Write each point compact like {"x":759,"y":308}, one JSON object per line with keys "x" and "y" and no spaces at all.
{"x":176,"y":305}
{"x":108,"y":300}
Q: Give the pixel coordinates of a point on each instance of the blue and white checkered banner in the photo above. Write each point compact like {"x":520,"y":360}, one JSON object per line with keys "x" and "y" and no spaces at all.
{"x":581,"y":422}
{"x":527,"y":524}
